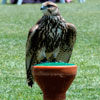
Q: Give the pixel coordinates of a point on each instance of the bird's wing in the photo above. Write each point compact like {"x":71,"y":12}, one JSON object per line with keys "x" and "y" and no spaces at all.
{"x":66,"y":50}
{"x":30,"y":46}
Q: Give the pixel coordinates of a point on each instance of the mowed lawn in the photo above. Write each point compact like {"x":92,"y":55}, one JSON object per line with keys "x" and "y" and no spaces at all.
{"x":15,"y":22}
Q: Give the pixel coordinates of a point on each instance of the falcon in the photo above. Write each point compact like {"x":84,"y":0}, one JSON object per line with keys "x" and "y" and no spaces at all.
{"x":51,"y":39}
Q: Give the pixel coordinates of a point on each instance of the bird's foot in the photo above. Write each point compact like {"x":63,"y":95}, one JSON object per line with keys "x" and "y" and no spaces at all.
{"x":54,"y":60}
{"x":44,"y":60}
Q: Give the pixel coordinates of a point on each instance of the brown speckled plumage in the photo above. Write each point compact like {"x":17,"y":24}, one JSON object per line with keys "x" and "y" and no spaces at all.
{"x":49,"y":40}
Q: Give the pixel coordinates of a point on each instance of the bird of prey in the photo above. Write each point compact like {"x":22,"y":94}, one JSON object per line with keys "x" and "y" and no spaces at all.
{"x":51,"y":39}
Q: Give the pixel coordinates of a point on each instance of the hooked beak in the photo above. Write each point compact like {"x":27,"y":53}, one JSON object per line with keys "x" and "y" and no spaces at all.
{"x":43,"y":8}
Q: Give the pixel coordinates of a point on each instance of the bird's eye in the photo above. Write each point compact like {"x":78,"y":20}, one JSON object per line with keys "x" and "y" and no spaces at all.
{"x":49,"y":6}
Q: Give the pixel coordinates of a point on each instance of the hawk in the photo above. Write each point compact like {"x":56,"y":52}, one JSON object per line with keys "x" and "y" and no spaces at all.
{"x":51,"y":39}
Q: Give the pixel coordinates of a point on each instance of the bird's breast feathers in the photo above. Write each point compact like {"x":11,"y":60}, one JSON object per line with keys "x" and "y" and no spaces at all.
{"x":51,"y":31}
{"x":52,"y":27}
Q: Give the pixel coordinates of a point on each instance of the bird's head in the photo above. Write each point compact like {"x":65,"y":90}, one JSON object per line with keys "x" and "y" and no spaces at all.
{"x":49,"y":8}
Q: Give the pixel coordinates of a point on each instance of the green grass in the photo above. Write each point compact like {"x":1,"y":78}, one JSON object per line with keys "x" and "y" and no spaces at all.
{"x":15,"y":21}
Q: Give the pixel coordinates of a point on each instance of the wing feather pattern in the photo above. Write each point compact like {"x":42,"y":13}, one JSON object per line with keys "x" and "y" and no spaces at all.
{"x":30,"y":52}
{"x":66,"y":50}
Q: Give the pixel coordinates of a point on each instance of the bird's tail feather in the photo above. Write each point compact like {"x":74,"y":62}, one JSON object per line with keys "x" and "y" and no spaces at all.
{"x":30,"y":80}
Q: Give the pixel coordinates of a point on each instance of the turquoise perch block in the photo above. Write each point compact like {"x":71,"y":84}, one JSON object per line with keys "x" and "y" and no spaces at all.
{"x":55,"y":64}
